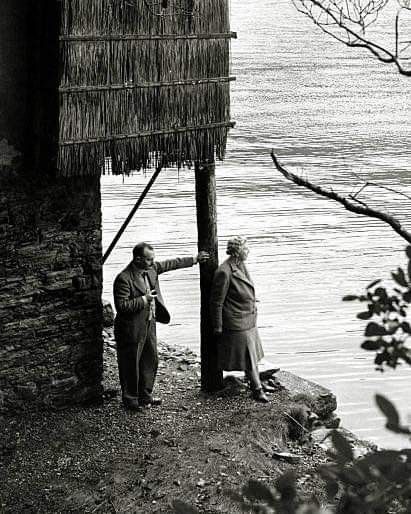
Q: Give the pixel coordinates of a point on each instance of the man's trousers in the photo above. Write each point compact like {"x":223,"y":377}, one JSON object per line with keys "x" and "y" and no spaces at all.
{"x":137,"y":365}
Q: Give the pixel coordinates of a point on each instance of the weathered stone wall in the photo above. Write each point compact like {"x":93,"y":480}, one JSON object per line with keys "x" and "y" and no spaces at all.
{"x":50,"y":288}
{"x":50,"y":231}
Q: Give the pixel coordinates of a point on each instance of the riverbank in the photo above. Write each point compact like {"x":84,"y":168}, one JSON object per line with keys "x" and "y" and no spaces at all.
{"x":194,"y":447}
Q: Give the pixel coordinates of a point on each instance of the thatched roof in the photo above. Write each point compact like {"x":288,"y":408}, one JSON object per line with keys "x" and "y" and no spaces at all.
{"x":143,"y":79}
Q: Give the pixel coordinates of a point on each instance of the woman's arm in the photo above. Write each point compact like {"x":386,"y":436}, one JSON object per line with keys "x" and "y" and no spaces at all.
{"x":220,"y":285}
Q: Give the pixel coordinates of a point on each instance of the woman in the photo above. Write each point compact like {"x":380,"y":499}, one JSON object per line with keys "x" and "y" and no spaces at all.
{"x":234,"y":316}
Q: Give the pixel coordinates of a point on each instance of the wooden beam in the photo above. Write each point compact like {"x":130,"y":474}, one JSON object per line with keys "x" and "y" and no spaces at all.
{"x":113,"y":137}
{"x":144,"y":37}
{"x":132,"y":212}
{"x":211,"y":374}
{"x":116,"y":87}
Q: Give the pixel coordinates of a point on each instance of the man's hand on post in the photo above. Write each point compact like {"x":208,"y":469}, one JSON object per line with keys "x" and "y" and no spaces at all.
{"x":151,"y":295}
{"x":201,"y":257}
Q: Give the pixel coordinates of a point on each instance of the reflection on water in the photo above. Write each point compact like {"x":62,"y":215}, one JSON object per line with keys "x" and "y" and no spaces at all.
{"x":337,"y":116}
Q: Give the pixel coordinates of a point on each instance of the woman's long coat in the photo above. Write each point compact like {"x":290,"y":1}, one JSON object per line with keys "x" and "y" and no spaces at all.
{"x":233,"y":305}
{"x":234,"y":313}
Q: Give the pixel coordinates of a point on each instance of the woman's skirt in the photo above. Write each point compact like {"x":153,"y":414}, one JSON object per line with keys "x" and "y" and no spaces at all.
{"x":239,"y":350}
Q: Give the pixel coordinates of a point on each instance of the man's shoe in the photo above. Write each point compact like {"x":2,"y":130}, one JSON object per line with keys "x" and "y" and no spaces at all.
{"x":151,"y":401}
{"x":132,"y":405}
{"x":259,"y":396}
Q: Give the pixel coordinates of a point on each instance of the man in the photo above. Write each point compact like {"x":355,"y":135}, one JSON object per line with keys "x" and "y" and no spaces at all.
{"x":139,"y":304}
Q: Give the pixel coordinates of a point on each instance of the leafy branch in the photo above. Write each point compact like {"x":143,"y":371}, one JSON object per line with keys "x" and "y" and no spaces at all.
{"x":388,"y":330}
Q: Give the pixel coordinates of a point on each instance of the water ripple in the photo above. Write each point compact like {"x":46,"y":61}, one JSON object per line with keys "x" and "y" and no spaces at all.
{"x":336,"y":116}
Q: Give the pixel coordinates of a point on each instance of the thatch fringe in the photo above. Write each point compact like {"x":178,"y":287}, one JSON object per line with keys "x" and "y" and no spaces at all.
{"x":173,"y":149}
{"x":121,"y":97}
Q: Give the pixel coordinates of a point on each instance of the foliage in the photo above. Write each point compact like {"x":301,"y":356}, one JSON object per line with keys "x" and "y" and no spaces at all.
{"x":388,"y":330}
{"x":377,"y":483}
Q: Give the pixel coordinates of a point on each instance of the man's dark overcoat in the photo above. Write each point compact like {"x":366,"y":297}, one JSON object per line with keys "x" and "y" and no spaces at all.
{"x":134,"y":331}
{"x":129,"y":288}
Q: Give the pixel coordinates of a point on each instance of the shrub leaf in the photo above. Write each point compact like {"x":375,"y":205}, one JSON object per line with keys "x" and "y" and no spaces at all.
{"x":371,"y":345}
{"x":373,"y":329}
{"x":364,"y":315}
{"x":400,"y":277}
{"x":350,"y":298}
{"x":388,"y":409}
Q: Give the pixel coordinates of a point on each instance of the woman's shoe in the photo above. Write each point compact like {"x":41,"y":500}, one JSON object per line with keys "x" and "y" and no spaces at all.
{"x":259,"y":396}
{"x":269,"y":389}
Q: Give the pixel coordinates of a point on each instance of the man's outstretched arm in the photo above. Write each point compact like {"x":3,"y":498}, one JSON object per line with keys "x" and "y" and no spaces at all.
{"x":180,"y":262}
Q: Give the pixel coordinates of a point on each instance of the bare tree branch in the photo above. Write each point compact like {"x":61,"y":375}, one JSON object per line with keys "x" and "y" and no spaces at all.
{"x":380,"y":186}
{"x":352,"y":203}
{"x":347,"y":21}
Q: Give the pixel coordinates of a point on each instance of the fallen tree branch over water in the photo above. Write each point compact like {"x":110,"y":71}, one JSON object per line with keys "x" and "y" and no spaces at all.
{"x":351,"y":203}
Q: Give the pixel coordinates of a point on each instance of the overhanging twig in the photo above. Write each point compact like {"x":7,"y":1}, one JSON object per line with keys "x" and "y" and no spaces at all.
{"x":352,"y":205}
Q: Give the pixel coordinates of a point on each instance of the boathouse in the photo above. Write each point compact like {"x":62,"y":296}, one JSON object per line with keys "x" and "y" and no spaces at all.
{"x":137,"y":83}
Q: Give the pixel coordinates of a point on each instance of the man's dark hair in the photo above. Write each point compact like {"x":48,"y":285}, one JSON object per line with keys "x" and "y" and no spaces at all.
{"x":138,"y":250}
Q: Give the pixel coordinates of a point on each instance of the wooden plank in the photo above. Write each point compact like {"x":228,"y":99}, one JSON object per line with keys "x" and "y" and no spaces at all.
{"x":144,"y":37}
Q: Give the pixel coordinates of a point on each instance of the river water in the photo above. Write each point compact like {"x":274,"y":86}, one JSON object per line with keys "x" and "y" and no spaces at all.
{"x":340,"y":118}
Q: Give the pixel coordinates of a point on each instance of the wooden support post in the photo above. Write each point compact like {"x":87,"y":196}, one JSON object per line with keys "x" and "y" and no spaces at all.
{"x":211,"y":374}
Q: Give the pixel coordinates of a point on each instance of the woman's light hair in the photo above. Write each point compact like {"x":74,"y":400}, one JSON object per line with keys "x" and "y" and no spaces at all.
{"x":235,"y":244}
